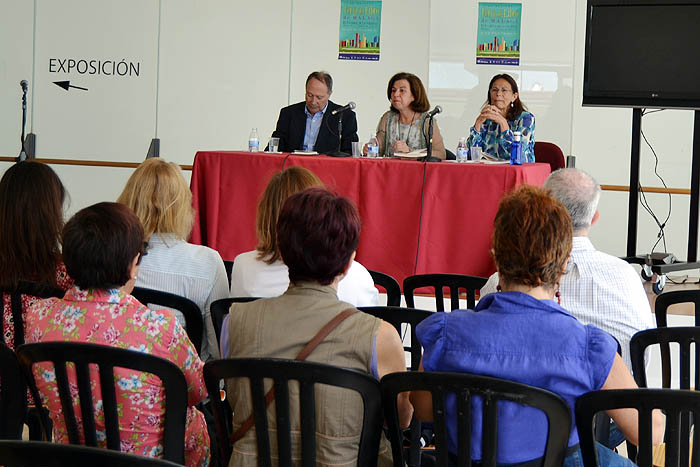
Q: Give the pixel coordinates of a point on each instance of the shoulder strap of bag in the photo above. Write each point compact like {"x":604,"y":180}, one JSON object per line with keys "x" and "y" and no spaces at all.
{"x":305,"y":352}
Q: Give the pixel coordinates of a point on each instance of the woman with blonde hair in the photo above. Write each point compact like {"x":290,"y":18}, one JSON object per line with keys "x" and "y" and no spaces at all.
{"x":261,"y":272}
{"x":158,"y":194}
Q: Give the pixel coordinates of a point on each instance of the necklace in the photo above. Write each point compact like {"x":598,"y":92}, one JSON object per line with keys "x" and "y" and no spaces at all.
{"x":410,"y":126}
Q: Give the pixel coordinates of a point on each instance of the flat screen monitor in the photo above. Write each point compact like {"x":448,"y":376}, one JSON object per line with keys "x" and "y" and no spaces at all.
{"x":642,"y":54}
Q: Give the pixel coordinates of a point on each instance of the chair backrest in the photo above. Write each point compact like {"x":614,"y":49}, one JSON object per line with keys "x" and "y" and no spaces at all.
{"x":34,"y":289}
{"x":491,"y":391}
{"x":684,"y":337}
{"x":455,"y":282}
{"x":551,"y":154}
{"x":388,"y":283}
{"x":12,"y":395}
{"x":42,"y":454}
{"x":194,"y":322}
{"x":667,"y":299}
{"x":397,"y":317}
{"x":676,"y":404}
{"x":219,"y":309}
{"x":228,"y":266}
{"x":307,"y":374}
{"x":107,"y":358}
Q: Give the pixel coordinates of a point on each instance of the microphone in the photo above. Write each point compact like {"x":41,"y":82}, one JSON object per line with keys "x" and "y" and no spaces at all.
{"x":435,"y":111}
{"x":25,"y":84}
{"x":351,"y":105}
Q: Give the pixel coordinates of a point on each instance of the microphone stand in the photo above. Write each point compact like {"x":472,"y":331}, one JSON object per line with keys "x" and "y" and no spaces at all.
{"x":338,"y":152}
{"x":23,"y":154}
{"x":429,"y":152}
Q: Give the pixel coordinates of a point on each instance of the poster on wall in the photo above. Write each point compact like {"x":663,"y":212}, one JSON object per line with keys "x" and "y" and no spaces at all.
{"x":498,"y":34}
{"x":360,"y":26}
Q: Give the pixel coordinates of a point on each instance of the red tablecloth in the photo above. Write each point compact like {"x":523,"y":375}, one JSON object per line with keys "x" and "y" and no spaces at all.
{"x":452,"y":234}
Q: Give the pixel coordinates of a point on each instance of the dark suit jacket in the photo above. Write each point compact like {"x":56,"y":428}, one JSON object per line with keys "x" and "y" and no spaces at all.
{"x":291,"y":126}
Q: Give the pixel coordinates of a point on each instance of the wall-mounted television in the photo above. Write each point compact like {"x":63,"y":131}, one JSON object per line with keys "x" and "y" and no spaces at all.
{"x":642,"y":54}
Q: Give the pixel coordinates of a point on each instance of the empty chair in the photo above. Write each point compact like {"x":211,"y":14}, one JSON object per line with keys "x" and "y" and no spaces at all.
{"x":455,"y":283}
{"x":12,"y":395}
{"x":667,"y":299}
{"x":219,"y":309}
{"x":114,"y":394}
{"x":390,"y":285}
{"x":190,"y":311}
{"x":485,"y":414}
{"x":296,"y":409}
{"x":672,"y":402}
{"x":551,"y":154}
{"x":41,"y":454}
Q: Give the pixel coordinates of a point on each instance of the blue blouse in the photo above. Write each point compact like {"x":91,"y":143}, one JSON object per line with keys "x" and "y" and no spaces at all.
{"x":519,"y":338}
{"x":496,"y":143}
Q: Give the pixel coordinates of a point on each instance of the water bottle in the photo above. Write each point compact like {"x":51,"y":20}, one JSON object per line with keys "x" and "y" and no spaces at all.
{"x":253,"y":141}
{"x":373,"y":146}
{"x":516,"y":150}
{"x":462,"y":152}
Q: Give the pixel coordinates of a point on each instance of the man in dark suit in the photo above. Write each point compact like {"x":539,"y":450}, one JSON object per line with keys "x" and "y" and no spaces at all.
{"x":309,"y":125}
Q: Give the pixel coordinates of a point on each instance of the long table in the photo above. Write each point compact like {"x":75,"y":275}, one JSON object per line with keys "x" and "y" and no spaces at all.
{"x":416,"y":217}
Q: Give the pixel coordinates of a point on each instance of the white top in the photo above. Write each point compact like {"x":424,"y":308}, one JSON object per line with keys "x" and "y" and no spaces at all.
{"x":191,"y":271}
{"x":601,"y":290}
{"x":252,"y":277}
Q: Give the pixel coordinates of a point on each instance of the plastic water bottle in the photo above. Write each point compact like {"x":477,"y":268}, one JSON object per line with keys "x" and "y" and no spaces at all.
{"x":516,"y":150}
{"x":373,"y":146}
{"x":253,"y":141}
{"x":462,"y":151}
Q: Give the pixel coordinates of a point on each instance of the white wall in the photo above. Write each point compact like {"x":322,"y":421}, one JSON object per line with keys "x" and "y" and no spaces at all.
{"x":210,"y":70}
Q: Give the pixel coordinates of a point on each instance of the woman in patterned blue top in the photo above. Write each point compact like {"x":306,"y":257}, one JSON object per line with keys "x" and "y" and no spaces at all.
{"x":503,"y":114}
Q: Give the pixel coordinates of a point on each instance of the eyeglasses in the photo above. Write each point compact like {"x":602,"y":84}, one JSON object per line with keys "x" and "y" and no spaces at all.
{"x":504,"y":91}
{"x":144,"y":252}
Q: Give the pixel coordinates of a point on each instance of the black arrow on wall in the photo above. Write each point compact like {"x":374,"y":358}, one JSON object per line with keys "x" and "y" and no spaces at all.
{"x":66,"y":84}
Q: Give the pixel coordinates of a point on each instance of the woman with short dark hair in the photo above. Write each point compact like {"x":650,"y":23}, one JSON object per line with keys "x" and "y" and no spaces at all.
{"x":521,"y":334}
{"x":318,"y":233}
{"x":404,"y":127}
{"x":31,"y":215}
{"x":102,"y":247}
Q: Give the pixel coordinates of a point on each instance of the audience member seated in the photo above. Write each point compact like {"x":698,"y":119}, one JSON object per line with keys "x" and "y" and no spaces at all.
{"x":261,"y":272}
{"x":160,"y":197}
{"x":598,"y":288}
{"x":318,"y":233}
{"x":102,"y":247}
{"x":403,"y":128}
{"x":503,"y":114}
{"x":521,"y":334}
{"x":31,"y":215}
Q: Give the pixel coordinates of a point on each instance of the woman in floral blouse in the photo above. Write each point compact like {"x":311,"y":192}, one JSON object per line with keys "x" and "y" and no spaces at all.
{"x":503,"y":114}
{"x":102,"y":247}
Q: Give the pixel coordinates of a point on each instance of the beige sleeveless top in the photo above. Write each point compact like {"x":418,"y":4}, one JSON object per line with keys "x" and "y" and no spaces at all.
{"x":280,"y":327}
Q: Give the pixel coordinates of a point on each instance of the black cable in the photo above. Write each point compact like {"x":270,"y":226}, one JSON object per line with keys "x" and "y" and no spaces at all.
{"x":284,"y":163}
{"x":420,"y":217}
{"x":661,"y":236}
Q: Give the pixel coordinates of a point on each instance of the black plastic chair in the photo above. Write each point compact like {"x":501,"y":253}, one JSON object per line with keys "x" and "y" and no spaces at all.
{"x":438,"y":282}
{"x":12,"y":395}
{"x":26,"y":288}
{"x":676,"y":404}
{"x":219,"y":309}
{"x":307,"y":374}
{"x":107,"y":358}
{"x":398,"y":316}
{"x":491,"y":391}
{"x":390,"y":285}
{"x":194,"y":321}
{"x":228,"y":265}
{"x":41,"y":454}
{"x":667,"y":299}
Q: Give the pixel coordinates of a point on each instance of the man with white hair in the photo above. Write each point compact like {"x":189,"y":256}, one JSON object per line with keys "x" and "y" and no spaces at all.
{"x":597,"y":288}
